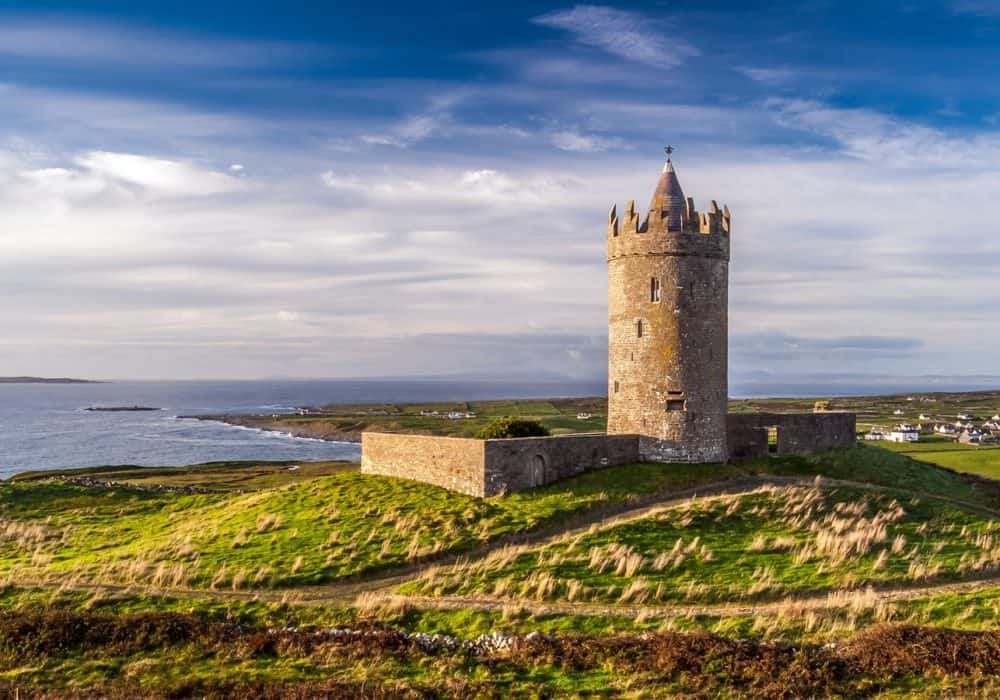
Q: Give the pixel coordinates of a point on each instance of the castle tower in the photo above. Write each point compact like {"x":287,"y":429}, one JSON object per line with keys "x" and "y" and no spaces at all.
{"x":668,"y":296}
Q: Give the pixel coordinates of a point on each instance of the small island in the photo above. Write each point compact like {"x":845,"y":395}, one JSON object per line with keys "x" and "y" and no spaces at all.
{"x":46,"y":380}
{"x":122,"y":408}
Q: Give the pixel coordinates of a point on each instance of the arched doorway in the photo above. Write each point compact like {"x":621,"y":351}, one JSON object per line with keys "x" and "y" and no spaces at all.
{"x":536,"y":470}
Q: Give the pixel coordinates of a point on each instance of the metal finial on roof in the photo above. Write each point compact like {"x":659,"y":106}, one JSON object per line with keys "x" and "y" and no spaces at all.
{"x":668,"y":150}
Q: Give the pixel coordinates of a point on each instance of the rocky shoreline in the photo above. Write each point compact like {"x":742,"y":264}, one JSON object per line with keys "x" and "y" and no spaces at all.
{"x":267,"y":423}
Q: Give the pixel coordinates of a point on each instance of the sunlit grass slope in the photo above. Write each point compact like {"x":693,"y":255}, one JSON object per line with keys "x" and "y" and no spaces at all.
{"x":318,"y":530}
{"x":770,"y":543}
{"x":972,"y":459}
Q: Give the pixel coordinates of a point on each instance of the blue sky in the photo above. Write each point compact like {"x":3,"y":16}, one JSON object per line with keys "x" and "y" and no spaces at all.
{"x":192,"y":190}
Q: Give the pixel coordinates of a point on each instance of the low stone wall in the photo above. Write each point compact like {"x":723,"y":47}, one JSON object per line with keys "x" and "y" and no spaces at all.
{"x":798,"y":433}
{"x":518,"y":464}
{"x":453,"y":463}
{"x":492,"y":467}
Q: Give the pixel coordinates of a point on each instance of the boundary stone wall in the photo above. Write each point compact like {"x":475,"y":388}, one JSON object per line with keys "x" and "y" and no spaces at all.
{"x":492,"y":467}
{"x":487,"y":468}
{"x":518,"y":464}
{"x":798,"y":433}
{"x":453,"y":463}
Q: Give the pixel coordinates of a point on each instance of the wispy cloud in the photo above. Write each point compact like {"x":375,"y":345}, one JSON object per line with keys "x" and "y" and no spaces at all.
{"x":769,"y":76}
{"x":980,"y":8}
{"x":415,"y":128}
{"x":158,"y":176}
{"x":121,"y":45}
{"x":584,"y":143}
{"x":871,"y":135}
{"x":407,"y":132}
{"x":622,"y":33}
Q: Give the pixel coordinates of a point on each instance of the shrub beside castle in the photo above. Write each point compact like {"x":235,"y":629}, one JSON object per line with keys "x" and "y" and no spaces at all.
{"x":512,"y":427}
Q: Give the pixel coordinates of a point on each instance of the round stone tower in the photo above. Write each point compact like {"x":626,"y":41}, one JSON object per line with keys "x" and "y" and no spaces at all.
{"x":668,"y":296}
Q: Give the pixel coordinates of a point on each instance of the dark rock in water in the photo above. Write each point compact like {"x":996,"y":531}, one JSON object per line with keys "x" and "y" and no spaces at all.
{"x":122,"y":408}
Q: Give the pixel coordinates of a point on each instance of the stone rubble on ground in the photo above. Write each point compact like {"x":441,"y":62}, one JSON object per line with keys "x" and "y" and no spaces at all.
{"x":483,"y":645}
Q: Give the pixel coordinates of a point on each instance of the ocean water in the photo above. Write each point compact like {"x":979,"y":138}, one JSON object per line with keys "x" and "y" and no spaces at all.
{"x":45,"y":426}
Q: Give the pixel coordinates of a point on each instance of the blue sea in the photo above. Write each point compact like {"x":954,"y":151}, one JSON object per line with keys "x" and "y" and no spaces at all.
{"x":46,"y":426}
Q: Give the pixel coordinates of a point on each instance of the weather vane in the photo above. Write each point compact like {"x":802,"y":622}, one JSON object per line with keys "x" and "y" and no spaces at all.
{"x":668,"y":150}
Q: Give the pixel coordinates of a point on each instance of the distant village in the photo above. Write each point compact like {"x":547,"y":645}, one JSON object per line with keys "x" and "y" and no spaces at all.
{"x":964,"y":428}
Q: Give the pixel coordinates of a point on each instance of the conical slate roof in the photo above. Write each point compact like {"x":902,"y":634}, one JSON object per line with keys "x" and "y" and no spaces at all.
{"x":671,"y":196}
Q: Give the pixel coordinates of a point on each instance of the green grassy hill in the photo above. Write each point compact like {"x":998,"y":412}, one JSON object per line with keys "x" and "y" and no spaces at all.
{"x":187,"y":581}
{"x":775,"y":542}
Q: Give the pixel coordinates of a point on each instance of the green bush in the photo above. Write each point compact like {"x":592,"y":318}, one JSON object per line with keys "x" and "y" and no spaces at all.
{"x":510,"y":427}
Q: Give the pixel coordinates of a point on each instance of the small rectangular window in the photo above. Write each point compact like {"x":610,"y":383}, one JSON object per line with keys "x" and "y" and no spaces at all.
{"x":617,"y":386}
{"x":654,"y":290}
{"x":638,"y":328}
{"x":676,"y":401}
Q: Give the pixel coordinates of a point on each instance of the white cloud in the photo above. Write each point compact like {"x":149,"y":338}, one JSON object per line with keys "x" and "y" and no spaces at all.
{"x":418,"y":127}
{"x":980,"y":8}
{"x":583,"y":143}
{"x":890,"y":141}
{"x":622,"y":33}
{"x":157,"y":176}
{"x":433,"y":188}
{"x":406,"y":133}
{"x":769,"y":76}
{"x":59,"y":39}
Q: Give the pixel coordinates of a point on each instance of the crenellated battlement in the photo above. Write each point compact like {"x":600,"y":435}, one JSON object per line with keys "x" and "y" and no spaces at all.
{"x":657,"y":219}
{"x":668,"y":229}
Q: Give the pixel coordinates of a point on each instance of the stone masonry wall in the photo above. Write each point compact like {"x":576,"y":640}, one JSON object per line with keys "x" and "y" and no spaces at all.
{"x":453,"y":463}
{"x":492,"y":467}
{"x":518,"y":464}
{"x":798,"y":433}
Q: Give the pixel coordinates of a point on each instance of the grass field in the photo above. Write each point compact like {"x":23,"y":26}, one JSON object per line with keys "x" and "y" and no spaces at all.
{"x":775,"y":542}
{"x":315,"y":530}
{"x":347,"y":422}
{"x":216,"y":476}
{"x":972,"y":459}
{"x":217,"y":587}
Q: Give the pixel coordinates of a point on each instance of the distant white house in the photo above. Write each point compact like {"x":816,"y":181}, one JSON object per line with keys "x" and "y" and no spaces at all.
{"x":584,"y":416}
{"x":428,"y":412}
{"x":875,"y":434}
{"x":964,"y":416}
{"x":898,"y":412}
{"x":924,"y":417}
{"x":970,"y":437}
{"x":945,"y":429}
{"x":911,"y":434}
{"x":460,"y":415}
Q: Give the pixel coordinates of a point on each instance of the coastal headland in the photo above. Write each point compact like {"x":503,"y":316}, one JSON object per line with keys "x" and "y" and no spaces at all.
{"x":46,"y":380}
{"x":346,"y":422}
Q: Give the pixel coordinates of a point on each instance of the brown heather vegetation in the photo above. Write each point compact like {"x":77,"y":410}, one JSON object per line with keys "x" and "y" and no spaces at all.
{"x":695,"y":664}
